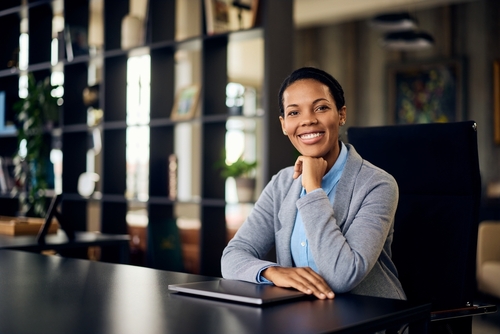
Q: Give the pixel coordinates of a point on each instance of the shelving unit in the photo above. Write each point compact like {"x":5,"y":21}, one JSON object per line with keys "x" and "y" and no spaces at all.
{"x":274,"y":27}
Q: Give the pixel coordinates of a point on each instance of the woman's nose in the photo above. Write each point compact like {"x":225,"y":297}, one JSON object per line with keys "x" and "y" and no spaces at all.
{"x":309,"y":120}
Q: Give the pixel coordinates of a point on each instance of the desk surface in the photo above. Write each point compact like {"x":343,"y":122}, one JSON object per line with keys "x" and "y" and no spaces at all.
{"x":50,"y":294}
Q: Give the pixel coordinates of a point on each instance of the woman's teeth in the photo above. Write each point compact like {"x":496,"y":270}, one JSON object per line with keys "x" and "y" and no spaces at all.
{"x":310,"y":135}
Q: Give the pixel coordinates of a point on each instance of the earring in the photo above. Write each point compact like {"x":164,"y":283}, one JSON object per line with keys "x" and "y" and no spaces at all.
{"x":285,"y":133}
{"x":342,"y":123}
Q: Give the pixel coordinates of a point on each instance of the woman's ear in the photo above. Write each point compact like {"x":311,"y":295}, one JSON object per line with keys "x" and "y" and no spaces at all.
{"x":282,"y":121}
{"x":342,"y":115}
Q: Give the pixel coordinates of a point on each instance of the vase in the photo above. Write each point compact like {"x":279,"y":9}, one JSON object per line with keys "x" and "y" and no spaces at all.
{"x":245,"y":189}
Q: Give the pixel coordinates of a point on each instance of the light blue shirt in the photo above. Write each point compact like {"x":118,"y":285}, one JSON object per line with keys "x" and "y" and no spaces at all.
{"x":301,"y":255}
{"x":299,"y":245}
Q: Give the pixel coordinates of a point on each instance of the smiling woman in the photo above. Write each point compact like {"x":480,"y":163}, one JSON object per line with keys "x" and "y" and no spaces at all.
{"x":330,"y":217}
{"x":311,"y":120}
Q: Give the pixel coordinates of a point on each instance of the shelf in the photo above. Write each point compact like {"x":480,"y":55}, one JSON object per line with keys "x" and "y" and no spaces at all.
{"x":116,"y":125}
{"x":198,"y":59}
{"x":9,"y":72}
{"x":14,"y":5}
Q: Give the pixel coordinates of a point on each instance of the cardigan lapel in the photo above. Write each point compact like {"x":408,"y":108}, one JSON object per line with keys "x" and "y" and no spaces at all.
{"x":346,"y":185}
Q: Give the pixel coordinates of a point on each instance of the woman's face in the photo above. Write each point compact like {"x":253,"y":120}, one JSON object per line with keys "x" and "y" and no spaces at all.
{"x":311,"y":120}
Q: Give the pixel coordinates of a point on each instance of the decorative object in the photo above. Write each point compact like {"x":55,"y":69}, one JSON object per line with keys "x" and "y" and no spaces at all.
{"x":241,"y":171}
{"x":134,"y":24}
{"x":132,"y":32}
{"x":249,"y":8}
{"x":235,"y":98}
{"x":496,"y":100}
{"x":185,"y":103}
{"x":245,"y":189}
{"x":172,"y":177}
{"x":86,"y":183}
{"x":35,"y":114}
{"x":90,"y":96}
{"x":425,"y":92}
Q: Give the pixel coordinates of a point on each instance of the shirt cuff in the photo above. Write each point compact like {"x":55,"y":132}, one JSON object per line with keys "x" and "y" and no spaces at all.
{"x":261,"y":279}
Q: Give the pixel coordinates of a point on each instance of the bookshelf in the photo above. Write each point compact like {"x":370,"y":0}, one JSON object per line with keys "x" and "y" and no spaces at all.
{"x":168,"y":40}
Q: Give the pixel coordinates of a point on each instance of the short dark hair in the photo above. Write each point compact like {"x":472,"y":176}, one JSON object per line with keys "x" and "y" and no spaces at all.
{"x":318,"y":75}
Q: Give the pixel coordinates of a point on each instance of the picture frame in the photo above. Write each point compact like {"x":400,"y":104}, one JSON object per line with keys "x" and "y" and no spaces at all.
{"x":217,"y":16}
{"x":186,"y":103}
{"x":496,"y":101}
{"x":428,"y":92}
{"x":222,"y":16}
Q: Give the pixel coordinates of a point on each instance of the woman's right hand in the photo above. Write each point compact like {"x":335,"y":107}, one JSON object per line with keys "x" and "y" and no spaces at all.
{"x":312,"y":171}
{"x":303,"y":279}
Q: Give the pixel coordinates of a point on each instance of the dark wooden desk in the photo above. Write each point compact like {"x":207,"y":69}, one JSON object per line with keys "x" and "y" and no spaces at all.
{"x":50,"y":294}
{"x":59,"y":242}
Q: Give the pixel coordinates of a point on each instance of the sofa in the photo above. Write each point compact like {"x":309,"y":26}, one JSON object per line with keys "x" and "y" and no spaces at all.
{"x":488,"y":258}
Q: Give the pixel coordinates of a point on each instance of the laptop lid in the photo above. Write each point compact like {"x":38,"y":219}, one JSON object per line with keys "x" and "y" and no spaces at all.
{"x":238,"y":291}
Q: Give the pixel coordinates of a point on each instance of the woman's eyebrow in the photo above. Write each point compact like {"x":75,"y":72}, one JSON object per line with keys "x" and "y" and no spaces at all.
{"x":313,"y":102}
{"x":320,"y":99}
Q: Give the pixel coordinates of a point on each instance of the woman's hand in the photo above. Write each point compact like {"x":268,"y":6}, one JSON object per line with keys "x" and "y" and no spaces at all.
{"x":303,"y":279}
{"x":312,"y":171}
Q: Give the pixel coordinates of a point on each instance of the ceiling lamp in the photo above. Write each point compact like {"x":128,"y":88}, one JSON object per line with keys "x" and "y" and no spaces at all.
{"x":393,"y":22}
{"x":407,"y":40}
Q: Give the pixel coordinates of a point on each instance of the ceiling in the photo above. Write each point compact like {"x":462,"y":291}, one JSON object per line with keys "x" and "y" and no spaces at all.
{"x":310,"y":13}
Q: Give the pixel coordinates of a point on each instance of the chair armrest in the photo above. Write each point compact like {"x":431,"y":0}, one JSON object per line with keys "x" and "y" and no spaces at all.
{"x":463,"y":312}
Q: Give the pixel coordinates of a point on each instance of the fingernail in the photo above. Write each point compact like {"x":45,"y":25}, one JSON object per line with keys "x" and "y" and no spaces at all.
{"x":322,"y":295}
{"x":331,"y":294}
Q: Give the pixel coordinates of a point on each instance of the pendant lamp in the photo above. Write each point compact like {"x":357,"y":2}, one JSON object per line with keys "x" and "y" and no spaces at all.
{"x":407,"y":40}
{"x":393,"y":22}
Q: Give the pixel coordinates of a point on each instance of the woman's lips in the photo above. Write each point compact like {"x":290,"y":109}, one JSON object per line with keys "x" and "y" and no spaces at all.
{"x":311,"y":137}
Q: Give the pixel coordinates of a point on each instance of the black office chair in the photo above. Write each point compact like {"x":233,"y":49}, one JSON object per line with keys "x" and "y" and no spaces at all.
{"x":434,"y":248}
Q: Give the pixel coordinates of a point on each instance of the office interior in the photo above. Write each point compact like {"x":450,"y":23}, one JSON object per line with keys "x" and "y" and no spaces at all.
{"x":337,"y":36}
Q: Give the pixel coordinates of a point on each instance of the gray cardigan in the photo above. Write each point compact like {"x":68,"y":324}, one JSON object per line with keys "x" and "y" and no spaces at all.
{"x":350,"y":242}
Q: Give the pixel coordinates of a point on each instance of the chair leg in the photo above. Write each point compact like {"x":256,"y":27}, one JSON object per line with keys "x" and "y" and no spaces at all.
{"x":452,"y":326}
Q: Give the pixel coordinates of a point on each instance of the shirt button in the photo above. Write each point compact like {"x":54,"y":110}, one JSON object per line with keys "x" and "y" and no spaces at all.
{"x":303,"y":243}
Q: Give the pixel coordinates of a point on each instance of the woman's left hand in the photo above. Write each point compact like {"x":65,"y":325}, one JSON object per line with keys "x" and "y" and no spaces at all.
{"x":302,"y":278}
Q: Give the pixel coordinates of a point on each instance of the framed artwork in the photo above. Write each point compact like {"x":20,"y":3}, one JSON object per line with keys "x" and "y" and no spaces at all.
{"x":496,"y":101}
{"x":186,"y":103}
{"x":425,"y":92}
{"x":229,"y":15}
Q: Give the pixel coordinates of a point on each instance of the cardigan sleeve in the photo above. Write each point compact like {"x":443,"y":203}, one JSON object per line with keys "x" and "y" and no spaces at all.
{"x":243,"y":257}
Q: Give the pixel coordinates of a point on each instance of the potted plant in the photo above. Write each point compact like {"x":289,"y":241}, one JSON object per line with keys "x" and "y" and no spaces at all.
{"x":35,"y":115}
{"x":242,"y":171}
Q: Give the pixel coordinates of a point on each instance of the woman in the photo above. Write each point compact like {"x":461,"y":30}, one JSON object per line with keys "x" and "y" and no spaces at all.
{"x":330,"y":216}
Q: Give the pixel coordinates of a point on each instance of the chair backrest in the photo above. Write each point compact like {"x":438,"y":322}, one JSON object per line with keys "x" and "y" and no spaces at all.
{"x":435,"y":237}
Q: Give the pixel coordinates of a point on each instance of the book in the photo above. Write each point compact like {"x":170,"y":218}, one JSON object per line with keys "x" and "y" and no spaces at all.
{"x":6,"y":117}
{"x":6,"y":175}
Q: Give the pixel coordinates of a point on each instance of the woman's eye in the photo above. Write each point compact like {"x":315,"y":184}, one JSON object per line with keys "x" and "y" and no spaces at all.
{"x":322,"y":108}
{"x":292,"y":113}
